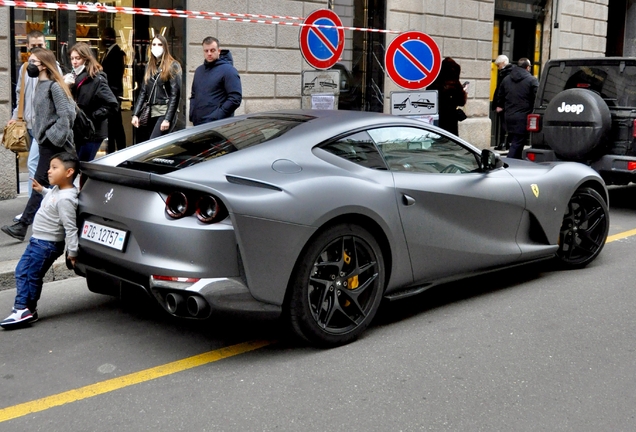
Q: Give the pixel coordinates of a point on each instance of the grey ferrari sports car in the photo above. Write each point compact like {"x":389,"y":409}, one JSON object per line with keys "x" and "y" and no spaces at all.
{"x":319,"y":215}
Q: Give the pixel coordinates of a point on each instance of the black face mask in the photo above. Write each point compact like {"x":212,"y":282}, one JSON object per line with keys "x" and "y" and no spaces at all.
{"x":33,"y":70}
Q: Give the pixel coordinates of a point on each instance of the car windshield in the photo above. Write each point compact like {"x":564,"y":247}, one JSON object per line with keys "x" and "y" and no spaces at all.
{"x":615,"y":83}
{"x":213,"y":143}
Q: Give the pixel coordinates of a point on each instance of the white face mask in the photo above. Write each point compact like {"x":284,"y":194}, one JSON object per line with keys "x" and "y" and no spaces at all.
{"x":157,"y":51}
{"x":78,"y":70}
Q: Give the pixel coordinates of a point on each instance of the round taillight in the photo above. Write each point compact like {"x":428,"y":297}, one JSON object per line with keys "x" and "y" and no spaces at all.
{"x":177,"y":205}
{"x":209,"y":209}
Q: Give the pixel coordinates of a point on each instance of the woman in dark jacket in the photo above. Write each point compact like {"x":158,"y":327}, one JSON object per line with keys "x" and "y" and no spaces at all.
{"x":92,"y":94}
{"x":450,"y":93}
{"x":161,"y":89}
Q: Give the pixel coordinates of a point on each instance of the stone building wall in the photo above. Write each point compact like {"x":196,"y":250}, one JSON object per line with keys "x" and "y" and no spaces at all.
{"x":8,"y":182}
{"x":267,"y":57}
{"x":582,"y":28}
{"x":463,"y":30}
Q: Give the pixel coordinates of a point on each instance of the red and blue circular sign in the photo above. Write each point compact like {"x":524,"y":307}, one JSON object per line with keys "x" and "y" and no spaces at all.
{"x":322,"y":46}
{"x":413,"y":60}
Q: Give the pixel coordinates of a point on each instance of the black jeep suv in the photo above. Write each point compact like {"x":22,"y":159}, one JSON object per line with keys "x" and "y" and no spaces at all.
{"x":585,"y":111}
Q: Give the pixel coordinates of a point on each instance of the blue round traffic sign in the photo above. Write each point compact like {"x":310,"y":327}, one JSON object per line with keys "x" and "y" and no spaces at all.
{"x":321,"y":43}
{"x":413,"y":60}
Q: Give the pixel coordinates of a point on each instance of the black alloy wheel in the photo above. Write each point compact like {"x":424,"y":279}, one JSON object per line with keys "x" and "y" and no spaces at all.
{"x":584,"y":229}
{"x":337,"y":286}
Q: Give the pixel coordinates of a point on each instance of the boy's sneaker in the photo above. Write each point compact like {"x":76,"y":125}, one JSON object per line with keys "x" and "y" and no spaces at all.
{"x":18,"y":316}
{"x":36,"y":317}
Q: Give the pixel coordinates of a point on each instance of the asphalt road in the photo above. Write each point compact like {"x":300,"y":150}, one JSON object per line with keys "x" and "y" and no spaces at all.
{"x":525,"y":350}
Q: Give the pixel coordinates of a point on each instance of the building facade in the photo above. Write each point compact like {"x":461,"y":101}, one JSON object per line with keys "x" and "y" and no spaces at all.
{"x":473,"y":32}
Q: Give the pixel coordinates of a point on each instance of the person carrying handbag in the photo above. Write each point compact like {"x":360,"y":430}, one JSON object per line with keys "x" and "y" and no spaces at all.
{"x":93,"y":96}
{"x":52,"y":127}
{"x":160,"y":92}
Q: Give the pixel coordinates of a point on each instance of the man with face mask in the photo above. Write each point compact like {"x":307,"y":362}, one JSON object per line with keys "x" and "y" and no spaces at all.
{"x":113,"y":63}
{"x":34,"y":39}
{"x":216,"y":88}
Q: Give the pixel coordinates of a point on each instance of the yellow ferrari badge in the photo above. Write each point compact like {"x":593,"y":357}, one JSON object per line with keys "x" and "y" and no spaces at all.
{"x":535,"y":190}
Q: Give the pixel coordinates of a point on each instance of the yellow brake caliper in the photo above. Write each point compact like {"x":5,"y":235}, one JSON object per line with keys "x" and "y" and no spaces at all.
{"x":352,"y":282}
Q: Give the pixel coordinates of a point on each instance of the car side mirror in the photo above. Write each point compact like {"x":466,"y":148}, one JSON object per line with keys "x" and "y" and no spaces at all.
{"x":490,"y":160}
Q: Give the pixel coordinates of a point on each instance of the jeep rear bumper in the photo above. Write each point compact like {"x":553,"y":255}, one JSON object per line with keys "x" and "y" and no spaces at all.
{"x":614,"y":169}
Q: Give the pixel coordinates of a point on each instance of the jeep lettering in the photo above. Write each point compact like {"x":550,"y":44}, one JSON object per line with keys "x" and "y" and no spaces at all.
{"x":575,"y":108}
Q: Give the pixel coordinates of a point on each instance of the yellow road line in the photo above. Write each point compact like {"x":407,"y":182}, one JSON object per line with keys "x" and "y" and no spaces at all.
{"x":621,"y":236}
{"x":110,"y":385}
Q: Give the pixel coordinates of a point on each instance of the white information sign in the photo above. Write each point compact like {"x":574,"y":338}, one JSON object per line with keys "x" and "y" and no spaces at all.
{"x":414,"y":103}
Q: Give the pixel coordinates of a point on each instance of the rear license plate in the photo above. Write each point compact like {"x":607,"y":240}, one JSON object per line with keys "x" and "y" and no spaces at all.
{"x":104,"y":235}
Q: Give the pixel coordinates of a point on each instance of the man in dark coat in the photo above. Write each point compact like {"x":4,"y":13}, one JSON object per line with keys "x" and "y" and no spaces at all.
{"x":216,"y":88}
{"x":516,"y":98}
{"x":505,"y":67}
{"x":113,"y":63}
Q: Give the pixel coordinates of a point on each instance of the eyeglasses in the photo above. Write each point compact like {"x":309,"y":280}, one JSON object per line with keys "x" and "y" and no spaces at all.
{"x":35,"y":62}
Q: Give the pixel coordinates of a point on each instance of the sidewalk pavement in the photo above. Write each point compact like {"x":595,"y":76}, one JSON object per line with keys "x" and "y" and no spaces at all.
{"x":11,"y":249}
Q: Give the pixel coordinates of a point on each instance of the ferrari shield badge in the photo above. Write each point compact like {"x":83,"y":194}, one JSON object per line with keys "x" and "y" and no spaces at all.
{"x":535,"y":190}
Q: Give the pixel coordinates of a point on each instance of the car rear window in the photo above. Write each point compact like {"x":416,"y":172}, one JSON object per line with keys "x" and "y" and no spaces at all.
{"x":213,"y":143}
{"x":615,"y":83}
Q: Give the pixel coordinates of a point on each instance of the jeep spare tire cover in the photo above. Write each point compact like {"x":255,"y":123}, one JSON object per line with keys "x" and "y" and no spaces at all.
{"x":576,"y":122}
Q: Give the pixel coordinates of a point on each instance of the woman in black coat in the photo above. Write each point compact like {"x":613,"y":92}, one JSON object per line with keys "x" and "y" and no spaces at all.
{"x":450,"y":94}
{"x":92,"y":94}
{"x":161,"y":89}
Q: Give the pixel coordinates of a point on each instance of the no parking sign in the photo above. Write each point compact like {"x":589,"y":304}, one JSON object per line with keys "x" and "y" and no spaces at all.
{"x":413,"y":60}
{"x":322,"y":46}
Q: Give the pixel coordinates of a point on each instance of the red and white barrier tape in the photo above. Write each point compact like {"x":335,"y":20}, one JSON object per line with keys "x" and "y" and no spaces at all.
{"x":218,"y":16}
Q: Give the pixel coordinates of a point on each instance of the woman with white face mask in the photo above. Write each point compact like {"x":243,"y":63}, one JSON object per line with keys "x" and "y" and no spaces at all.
{"x":161,"y":90}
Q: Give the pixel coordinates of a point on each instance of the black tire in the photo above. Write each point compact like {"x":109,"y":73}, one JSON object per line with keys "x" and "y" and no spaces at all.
{"x":584,"y":229}
{"x":325,"y":307}
{"x":576,"y":124}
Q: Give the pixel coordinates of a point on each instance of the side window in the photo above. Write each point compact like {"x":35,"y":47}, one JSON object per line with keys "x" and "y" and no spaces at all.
{"x":358,"y":148}
{"x":419,"y":150}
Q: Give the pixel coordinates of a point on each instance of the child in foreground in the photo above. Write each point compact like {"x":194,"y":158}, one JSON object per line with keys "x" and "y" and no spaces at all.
{"x":55,"y":220}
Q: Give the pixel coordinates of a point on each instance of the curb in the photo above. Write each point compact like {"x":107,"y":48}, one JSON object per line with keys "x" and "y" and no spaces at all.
{"x":58,"y":271}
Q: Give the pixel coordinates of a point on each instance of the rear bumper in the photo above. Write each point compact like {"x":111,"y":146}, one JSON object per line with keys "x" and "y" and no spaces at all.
{"x":208,"y":295}
{"x":613,"y":168}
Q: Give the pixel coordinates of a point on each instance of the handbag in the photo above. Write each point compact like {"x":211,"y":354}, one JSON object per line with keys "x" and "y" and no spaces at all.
{"x":461,"y":115}
{"x":15,"y":136}
{"x":144,"y":114}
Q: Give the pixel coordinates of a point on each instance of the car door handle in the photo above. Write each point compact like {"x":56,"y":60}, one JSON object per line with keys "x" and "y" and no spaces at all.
{"x":408,"y":200}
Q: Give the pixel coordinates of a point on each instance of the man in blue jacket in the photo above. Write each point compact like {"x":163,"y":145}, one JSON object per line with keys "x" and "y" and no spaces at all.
{"x":216,"y":88}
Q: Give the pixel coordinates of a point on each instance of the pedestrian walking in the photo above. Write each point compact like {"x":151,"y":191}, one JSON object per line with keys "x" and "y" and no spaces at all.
{"x":114,"y":66}
{"x":516,"y":98}
{"x":504,"y":67}
{"x":450,"y":95}
{"x":52,"y":127}
{"x":160,"y":92}
{"x":89,"y":86}
{"x":54,"y":222}
{"x":216,"y":87}
{"x":35,"y":39}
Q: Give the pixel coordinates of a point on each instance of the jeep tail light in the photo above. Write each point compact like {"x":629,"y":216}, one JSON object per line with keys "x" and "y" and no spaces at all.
{"x":532,"y":157}
{"x":631,"y":166}
{"x":534,"y":123}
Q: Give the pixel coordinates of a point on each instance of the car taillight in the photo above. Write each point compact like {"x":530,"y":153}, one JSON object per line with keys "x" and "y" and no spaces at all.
{"x":534,"y":123}
{"x":210,"y":210}
{"x":532,"y":157}
{"x":177,"y":205}
{"x":634,"y":129}
{"x":631,"y":166}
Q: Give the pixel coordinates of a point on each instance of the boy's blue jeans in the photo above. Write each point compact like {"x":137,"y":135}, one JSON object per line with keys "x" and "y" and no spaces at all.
{"x":36,"y":260}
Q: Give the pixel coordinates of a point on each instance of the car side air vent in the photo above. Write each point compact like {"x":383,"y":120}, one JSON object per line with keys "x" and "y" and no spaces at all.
{"x":253,"y":183}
